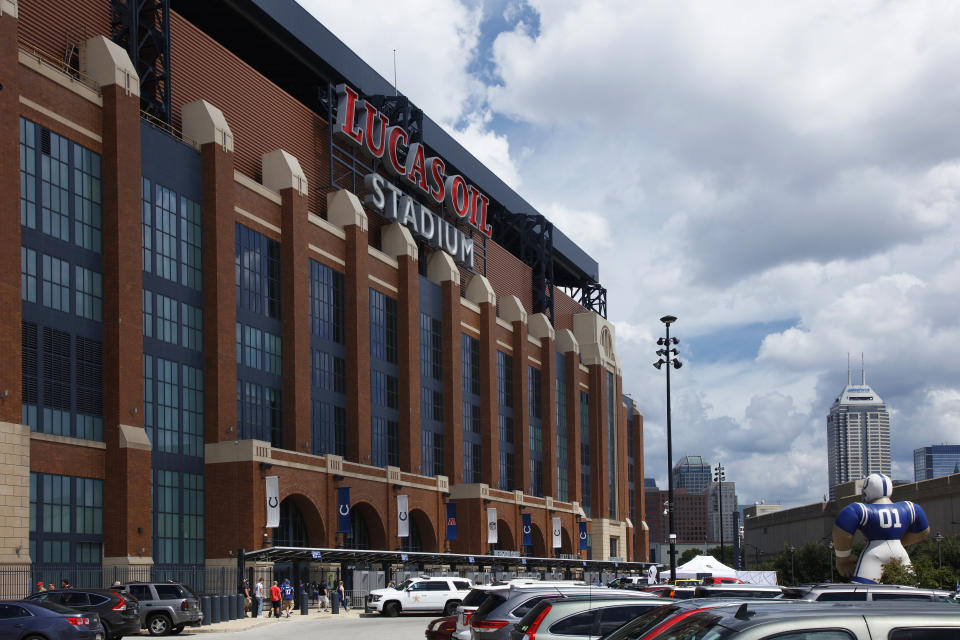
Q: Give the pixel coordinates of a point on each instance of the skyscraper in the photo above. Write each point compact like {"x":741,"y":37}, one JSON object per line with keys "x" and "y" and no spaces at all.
{"x":858,"y":434}
{"x":729,"y":504}
{"x":935,"y":461}
{"x":692,"y":473}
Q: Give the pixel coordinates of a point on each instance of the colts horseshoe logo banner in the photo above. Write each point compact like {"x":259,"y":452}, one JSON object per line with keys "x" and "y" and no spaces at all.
{"x":583,"y":535}
{"x":343,"y":510}
{"x":557,"y":530}
{"x":403,"y":521}
{"x":527,"y":530}
{"x":451,"y":521}
{"x":492,"y":525}
{"x":273,"y":501}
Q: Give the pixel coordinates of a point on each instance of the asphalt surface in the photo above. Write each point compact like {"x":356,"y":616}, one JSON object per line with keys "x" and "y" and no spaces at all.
{"x":353,"y":624}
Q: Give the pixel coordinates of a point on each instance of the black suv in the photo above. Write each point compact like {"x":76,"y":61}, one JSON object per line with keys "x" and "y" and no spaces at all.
{"x":119,"y":612}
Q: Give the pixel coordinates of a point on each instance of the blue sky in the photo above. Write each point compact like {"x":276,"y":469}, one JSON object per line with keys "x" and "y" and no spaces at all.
{"x":782,"y":177}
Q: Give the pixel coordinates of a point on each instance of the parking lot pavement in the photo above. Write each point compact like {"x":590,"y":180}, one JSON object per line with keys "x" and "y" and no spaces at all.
{"x":243,"y":624}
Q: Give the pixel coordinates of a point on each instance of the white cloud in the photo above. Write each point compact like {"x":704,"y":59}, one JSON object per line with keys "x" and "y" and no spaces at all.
{"x":738,"y":165}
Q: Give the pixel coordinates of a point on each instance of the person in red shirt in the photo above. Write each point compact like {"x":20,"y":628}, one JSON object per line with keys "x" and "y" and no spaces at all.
{"x":275,"y":599}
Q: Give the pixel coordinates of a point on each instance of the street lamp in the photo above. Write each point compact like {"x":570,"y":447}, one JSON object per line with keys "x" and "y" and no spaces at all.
{"x":718,"y":477}
{"x":939,"y":538}
{"x":793,"y":574}
{"x":830,"y":557}
{"x":667,"y":351}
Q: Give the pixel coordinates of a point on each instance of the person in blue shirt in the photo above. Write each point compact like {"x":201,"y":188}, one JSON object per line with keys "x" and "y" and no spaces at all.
{"x":886,"y":525}
{"x":287,"y":593}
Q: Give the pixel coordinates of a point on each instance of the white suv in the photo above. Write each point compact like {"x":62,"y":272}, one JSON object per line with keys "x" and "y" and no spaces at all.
{"x":420,"y":594}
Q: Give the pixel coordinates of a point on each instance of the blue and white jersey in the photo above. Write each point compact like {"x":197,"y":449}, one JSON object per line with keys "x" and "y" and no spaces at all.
{"x":287,"y":591}
{"x":882,"y":521}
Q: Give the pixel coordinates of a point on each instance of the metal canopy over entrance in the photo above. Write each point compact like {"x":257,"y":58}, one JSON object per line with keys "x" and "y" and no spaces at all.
{"x":372,"y":556}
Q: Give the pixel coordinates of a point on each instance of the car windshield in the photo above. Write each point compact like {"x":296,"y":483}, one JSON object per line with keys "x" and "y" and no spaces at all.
{"x":699,"y":626}
{"x":403,"y":585}
{"x":475,"y":598}
{"x":488,"y":605}
{"x":639,"y":626}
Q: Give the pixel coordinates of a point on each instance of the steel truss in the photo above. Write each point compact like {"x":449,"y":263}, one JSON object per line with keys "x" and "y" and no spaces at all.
{"x":142,"y":27}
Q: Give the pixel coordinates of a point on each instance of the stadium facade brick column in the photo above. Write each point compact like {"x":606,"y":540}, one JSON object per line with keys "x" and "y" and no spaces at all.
{"x":127,"y":541}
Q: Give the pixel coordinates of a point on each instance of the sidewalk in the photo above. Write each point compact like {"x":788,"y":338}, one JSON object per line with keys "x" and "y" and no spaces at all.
{"x":242,"y":624}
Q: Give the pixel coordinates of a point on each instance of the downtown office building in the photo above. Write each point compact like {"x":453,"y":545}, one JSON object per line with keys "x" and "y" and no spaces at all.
{"x":242,"y":256}
{"x":858,"y":435}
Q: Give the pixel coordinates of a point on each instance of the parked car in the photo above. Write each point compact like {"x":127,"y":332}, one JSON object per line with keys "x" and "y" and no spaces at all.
{"x":24,"y":619}
{"x":855,"y":592}
{"x":625,"y":582}
{"x":480,"y":593}
{"x":119,"y":612}
{"x":819,"y":621}
{"x":671,"y":591}
{"x":441,"y":628}
{"x":580,"y":618}
{"x":662,"y":618}
{"x":441,"y":594}
{"x":493,"y":619}
{"x":737,"y":591}
{"x":165,"y":607}
{"x":721,"y":580}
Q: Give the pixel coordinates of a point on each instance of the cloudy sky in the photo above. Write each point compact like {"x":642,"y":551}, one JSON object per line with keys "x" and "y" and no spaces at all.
{"x":782,"y":176}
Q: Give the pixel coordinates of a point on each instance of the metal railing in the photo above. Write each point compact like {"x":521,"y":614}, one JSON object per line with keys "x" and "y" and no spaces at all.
{"x":19,"y":581}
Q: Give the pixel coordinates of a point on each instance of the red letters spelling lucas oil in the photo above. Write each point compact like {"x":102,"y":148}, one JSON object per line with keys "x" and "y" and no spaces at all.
{"x":359,"y":122}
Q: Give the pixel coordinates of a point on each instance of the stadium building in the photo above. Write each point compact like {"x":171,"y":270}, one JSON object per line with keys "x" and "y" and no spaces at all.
{"x":255,"y":283}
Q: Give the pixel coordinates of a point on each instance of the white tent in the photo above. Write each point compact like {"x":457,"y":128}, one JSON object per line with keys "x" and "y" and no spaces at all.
{"x":704,"y":566}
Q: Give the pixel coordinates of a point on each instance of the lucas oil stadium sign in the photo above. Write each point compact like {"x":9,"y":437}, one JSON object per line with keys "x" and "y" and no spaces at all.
{"x":360,"y":124}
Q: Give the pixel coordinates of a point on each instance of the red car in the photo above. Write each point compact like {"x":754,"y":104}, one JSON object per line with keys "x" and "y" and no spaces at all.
{"x":441,"y":628}
{"x":721,"y":580}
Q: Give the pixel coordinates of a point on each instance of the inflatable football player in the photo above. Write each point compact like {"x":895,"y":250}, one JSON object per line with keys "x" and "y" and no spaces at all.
{"x":886,"y":525}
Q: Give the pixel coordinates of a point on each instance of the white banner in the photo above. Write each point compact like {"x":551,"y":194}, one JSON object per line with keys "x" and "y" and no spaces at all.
{"x":403,"y":522}
{"x":491,"y":525}
{"x":556,"y":533}
{"x":273,"y":501}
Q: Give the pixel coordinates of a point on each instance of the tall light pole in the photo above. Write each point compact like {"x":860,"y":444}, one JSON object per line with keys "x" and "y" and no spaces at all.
{"x":719,"y":477}
{"x":793,"y":573}
{"x":666,"y":353}
{"x":939,"y":539}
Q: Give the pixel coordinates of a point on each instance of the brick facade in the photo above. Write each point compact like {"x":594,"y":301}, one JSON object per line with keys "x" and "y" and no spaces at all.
{"x":263,"y":119}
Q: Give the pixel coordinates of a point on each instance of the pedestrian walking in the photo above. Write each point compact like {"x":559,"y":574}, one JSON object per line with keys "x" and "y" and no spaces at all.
{"x":247,"y":596}
{"x":342,"y":594}
{"x":287,"y":591}
{"x":40,"y":586}
{"x":65,"y":584}
{"x":275,"y":600}
{"x":324,"y":601}
{"x":258,"y":598}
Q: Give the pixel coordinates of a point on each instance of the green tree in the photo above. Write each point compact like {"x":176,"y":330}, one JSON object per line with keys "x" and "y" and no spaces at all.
{"x":689,"y":555}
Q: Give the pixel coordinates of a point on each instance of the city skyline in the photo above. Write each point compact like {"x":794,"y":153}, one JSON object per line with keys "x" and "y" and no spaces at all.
{"x":786,"y":215}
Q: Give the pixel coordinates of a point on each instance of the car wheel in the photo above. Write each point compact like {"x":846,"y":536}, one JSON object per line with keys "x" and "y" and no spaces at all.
{"x":177,"y":629}
{"x":451,"y":608}
{"x":391,"y":609}
{"x":158,"y":624}
{"x":106,"y":630}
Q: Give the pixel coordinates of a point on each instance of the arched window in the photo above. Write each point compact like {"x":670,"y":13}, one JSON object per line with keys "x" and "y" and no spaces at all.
{"x":292,"y":531}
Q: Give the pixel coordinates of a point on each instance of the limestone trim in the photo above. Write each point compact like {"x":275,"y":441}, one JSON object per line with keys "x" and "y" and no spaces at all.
{"x":9,"y":8}
{"x":251,"y":184}
{"x":501,"y":343}
{"x":317,"y":221}
{"x":73,"y":442}
{"x":566,"y":343}
{"x":511,"y":310}
{"x":204,"y":123}
{"x":584,"y":385}
{"x":134,"y":438}
{"x":398,"y":241}
{"x":504,"y":324}
{"x":282,"y":171}
{"x":441,"y":268}
{"x":386,"y":259}
{"x":344,"y":210}
{"x":540,"y":327}
{"x":257,"y":219}
{"x":68,"y":82}
{"x":584,"y":368}
{"x":382,"y":283}
{"x":327,"y":255}
{"x":535,"y":361}
{"x":469,"y":305}
{"x":470,"y":327}
{"x":126,"y":561}
{"x":27,"y":102}
{"x":107,"y":63}
{"x":534,"y":340}
{"x":479,"y":291}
